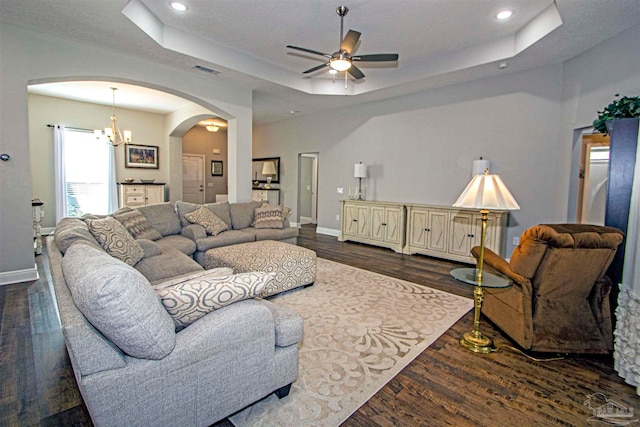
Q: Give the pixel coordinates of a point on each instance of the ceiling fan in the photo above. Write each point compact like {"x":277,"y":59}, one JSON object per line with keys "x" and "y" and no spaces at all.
{"x":343,"y":59}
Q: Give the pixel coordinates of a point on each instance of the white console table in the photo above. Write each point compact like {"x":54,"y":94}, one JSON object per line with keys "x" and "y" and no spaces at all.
{"x":438,"y":231}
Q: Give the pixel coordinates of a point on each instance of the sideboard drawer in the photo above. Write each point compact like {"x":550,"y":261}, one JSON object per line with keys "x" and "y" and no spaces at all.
{"x":137,"y":191}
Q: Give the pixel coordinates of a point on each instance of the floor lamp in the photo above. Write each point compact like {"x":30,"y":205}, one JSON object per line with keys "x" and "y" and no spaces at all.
{"x":485,"y":192}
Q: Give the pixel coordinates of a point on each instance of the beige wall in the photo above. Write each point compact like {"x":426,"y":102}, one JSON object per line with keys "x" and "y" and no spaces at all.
{"x":147,"y":129}
{"x":36,"y":58}
{"x":200,"y":141}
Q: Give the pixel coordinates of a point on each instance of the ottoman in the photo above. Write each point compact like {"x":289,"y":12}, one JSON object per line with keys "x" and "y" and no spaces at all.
{"x":294,"y":266}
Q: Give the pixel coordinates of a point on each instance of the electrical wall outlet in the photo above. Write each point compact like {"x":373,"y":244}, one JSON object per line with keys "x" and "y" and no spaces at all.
{"x":338,"y":217}
{"x":516,"y":241}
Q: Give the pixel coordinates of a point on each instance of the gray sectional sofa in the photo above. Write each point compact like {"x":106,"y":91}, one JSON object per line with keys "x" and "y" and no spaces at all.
{"x":132,"y":365}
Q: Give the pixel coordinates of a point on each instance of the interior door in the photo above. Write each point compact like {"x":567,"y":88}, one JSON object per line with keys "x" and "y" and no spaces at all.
{"x":193,"y":178}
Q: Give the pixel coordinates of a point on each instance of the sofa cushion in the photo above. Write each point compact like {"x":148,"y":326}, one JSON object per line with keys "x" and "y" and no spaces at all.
{"x":243,"y":214}
{"x":119,"y":302}
{"x":137,"y":225}
{"x":215,"y":272}
{"x":268,"y":216}
{"x":177,"y":241}
{"x":149,"y":247}
{"x":71,"y":230}
{"x":169,"y":264}
{"x":116,"y":240}
{"x":189,"y":300}
{"x":226,"y":238}
{"x":204,"y":217}
{"x":163,"y":218}
{"x":272,"y":233}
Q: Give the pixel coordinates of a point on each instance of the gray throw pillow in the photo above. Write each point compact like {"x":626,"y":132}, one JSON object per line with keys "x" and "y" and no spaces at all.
{"x":137,"y":225}
{"x":116,"y":240}
{"x":119,"y":302}
{"x":204,"y":217}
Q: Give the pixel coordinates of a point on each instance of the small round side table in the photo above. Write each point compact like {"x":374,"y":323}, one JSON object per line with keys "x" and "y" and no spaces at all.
{"x":475,"y":340}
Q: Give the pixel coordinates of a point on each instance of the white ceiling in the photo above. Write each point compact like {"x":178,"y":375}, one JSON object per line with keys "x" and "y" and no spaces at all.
{"x":439,"y":42}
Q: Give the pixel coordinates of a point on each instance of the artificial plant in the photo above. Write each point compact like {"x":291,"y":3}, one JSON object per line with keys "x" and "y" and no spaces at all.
{"x":623,"y":108}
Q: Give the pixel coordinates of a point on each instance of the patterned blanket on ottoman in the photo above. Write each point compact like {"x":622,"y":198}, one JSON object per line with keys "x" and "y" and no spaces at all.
{"x":294,"y":266}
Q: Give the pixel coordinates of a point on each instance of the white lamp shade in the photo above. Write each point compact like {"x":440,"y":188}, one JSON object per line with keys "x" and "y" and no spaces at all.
{"x":486,"y":192}
{"x":359,"y":170}
{"x":268,"y":168}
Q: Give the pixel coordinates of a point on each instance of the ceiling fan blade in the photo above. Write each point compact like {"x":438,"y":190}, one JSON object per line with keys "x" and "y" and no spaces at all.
{"x":350,"y":41}
{"x":319,"y":67}
{"x":355,"y":72}
{"x":379,"y":57}
{"x":303,"y":49}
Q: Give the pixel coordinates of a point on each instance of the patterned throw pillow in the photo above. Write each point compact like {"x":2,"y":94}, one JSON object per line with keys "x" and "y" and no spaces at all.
{"x":191,"y":299}
{"x":285,"y":212}
{"x":137,"y":225}
{"x":269,"y":216}
{"x":204,"y":217}
{"x":116,"y":240}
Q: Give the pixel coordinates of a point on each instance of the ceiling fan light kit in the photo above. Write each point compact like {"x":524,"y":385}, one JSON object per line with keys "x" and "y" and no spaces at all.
{"x":342,"y":59}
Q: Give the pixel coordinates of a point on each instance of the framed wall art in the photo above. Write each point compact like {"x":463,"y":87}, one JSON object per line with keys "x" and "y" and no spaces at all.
{"x":216,"y":168}
{"x":141,"y":156}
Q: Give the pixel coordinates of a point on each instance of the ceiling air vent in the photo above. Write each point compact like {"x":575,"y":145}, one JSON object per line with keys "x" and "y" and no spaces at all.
{"x":206,"y":69}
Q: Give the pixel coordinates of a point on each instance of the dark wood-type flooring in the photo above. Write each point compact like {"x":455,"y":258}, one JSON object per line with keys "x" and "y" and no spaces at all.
{"x":445,"y":385}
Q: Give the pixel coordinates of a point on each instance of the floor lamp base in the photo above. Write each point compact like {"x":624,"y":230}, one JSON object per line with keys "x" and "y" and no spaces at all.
{"x":476,"y":342}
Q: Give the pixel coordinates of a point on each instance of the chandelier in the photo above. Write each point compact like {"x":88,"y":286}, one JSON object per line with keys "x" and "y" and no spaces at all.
{"x":113,"y":133}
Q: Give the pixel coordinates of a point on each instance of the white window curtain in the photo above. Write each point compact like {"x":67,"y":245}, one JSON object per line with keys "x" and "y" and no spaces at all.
{"x":61,"y":175}
{"x":60,"y":179}
{"x":113,"y":191}
{"x":627,"y":334}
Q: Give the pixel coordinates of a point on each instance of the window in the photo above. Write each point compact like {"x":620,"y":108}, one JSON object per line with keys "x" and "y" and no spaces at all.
{"x":87,"y":167}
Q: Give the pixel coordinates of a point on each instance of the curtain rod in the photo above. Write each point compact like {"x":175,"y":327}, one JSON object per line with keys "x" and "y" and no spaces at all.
{"x":73,"y":128}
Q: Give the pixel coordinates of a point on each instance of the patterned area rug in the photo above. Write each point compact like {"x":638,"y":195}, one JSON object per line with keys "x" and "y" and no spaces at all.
{"x":360,"y":330}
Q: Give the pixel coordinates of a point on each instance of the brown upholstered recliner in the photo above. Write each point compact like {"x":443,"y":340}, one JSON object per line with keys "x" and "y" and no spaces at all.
{"x":559,"y":301}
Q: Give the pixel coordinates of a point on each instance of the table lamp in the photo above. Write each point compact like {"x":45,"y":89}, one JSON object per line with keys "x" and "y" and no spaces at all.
{"x":268,"y":170}
{"x":359,"y":171}
{"x":485,"y":192}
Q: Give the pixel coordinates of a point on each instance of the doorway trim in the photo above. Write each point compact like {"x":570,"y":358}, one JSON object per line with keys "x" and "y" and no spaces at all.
{"x":314,"y":188}
{"x":588,"y":142}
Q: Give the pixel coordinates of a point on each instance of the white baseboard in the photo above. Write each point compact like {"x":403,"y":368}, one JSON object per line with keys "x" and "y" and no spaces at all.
{"x":47,"y":231}
{"x":328,"y":231}
{"x":19,"y":276}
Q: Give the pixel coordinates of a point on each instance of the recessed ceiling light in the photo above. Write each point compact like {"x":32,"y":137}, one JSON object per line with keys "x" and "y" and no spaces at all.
{"x":504,"y":14}
{"x":177,"y":6}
